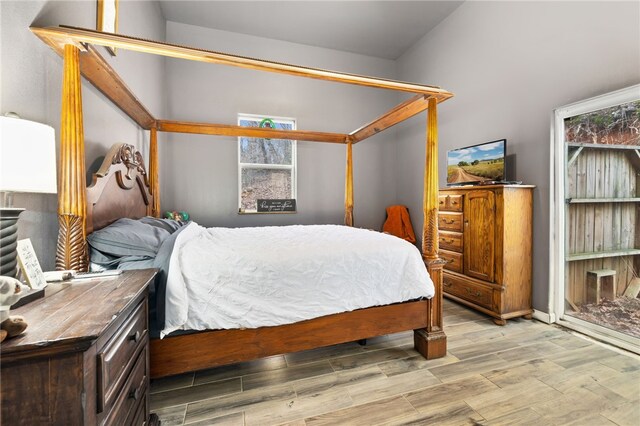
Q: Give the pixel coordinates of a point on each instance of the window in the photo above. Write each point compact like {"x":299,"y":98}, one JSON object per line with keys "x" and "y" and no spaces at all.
{"x":266,"y":167}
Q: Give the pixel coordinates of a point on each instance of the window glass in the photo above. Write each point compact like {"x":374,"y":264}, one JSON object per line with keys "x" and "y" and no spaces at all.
{"x":267,"y":167}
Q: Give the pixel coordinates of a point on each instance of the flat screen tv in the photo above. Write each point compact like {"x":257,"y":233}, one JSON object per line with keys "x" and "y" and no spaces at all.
{"x":477,"y":163}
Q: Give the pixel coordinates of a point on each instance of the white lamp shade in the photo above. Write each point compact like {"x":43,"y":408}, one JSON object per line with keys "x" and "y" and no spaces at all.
{"x":27,"y":156}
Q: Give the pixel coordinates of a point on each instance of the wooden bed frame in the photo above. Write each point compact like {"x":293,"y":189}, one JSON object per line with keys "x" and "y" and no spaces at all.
{"x":122,"y":188}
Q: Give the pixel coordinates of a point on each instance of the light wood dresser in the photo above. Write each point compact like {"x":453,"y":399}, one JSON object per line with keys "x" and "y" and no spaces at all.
{"x":84,"y":359}
{"x":485,"y":235}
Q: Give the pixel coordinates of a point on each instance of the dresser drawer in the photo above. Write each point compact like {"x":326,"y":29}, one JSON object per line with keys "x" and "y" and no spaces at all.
{"x":450,"y":221}
{"x":116,"y":358}
{"x":140,"y":416}
{"x":454,"y":260}
{"x":464,"y":289}
{"x":451,"y":203}
{"x":450,"y":241}
{"x":132,"y":394}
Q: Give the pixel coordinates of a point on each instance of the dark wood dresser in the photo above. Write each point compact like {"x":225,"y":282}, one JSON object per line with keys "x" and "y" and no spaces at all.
{"x":485,"y":236}
{"x":84,"y":359}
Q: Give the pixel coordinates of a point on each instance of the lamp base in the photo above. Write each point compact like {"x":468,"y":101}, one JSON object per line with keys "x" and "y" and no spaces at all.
{"x":9,"y":241}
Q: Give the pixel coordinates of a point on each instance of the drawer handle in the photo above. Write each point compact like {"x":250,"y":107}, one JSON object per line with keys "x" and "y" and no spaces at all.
{"x":476,"y":294}
{"x":449,"y":241}
{"x":449,"y":222}
{"x":455,"y":203}
{"x":134,"y":394}
{"x":450,"y":260}
{"x":447,"y":283}
{"x":441,"y":202}
{"x":135,"y":336}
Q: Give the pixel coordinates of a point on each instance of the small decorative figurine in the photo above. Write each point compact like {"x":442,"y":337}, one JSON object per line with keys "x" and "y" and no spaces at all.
{"x":175,"y":215}
{"x":10,"y":290}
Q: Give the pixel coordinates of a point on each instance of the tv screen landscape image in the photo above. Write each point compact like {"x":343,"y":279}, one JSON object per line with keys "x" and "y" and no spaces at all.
{"x":476,"y":163}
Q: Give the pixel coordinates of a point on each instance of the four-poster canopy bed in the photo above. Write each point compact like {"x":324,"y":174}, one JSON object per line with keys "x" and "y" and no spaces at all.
{"x":81,"y":212}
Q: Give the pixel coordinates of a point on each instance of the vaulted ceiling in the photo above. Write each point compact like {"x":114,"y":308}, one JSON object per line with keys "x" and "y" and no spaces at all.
{"x":384,"y":29}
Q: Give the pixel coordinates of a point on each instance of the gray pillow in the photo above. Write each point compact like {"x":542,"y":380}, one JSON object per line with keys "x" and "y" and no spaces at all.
{"x":167,"y":224}
{"x":128,"y":237}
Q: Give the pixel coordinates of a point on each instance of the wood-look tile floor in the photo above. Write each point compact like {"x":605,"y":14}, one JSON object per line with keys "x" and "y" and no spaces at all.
{"x":525,"y":373}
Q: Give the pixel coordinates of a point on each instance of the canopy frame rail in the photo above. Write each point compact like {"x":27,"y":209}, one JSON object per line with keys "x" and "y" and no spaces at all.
{"x":57,"y":37}
{"x":397,"y":114}
{"x":252,"y":132}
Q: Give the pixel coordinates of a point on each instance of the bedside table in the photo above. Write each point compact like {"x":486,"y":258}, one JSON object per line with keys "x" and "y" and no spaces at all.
{"x":84,"y":359}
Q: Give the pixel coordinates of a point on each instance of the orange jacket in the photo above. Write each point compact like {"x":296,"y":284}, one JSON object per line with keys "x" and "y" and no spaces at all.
{"x":398,"y":223}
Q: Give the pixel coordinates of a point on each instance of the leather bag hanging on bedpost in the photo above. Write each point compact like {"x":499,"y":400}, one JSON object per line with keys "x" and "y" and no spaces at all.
{"x":398,"y":223}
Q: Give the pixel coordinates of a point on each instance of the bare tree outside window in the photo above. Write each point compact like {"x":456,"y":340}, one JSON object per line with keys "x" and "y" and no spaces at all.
{"x":266,"y":166}
{"x":618,"y":125}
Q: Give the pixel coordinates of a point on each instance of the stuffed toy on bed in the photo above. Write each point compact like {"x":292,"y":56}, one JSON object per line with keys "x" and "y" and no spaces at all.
{"x":175,"y":215}
{"x":10,"y":290}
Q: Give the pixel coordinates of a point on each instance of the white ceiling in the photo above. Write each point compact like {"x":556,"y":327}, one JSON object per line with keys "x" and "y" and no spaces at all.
{"x":384,"y":29}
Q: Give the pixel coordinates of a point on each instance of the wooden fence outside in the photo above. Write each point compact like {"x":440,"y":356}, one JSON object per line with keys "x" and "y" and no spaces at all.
{"x":602,"y":209}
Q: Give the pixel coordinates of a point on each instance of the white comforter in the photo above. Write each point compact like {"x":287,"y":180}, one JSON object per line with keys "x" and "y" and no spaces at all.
{"x":223,"y":278}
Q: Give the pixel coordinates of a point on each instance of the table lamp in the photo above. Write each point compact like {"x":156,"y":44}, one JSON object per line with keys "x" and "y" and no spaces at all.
{"x":27,"y":164}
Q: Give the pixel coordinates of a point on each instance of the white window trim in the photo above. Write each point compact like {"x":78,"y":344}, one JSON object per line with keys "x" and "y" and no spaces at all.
{"x":294,"y":159}
{"x":557,"y":229}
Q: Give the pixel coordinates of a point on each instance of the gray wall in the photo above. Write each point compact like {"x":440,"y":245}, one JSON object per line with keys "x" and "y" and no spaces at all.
{"x":509,"y":65}
{"x":200,"y":173}
{"x":31,"y":84}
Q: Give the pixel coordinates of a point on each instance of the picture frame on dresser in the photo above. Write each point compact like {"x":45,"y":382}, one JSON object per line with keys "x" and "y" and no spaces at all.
{"x":30,"y":266}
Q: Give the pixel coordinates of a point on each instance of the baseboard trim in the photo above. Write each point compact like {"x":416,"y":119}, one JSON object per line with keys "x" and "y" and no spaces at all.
{"x":544,"y":317}
{"x":626,"y":343}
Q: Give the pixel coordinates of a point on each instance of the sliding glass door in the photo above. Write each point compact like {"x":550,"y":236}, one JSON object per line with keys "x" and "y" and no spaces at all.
{"x":597,"y":211}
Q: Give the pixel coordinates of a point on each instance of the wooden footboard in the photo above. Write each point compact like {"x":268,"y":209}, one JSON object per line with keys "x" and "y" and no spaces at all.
{"x":206,"y":349}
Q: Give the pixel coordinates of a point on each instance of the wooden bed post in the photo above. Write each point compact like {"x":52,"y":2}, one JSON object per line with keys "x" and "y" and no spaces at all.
{"x":432,"y":342}
{"x":71,"y":252}
{"x":348,"y":187}
{"x":154,"y":183}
